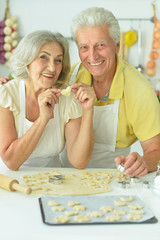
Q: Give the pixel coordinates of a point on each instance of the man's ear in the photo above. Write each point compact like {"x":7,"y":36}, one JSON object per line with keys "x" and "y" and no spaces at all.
{"x":118,"y":47}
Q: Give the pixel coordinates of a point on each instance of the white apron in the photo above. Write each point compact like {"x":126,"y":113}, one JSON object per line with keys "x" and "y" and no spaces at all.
{"x":105,"y":131}
{"x":50,"y":145}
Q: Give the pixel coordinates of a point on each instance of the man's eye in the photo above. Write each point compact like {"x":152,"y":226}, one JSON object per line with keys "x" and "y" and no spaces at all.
{"x":83,"y":48}
{"x":100,"y":45}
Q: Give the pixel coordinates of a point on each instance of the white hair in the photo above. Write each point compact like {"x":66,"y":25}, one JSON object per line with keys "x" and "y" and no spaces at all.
{"x":28,"y":49}
{"x":95,"y":16}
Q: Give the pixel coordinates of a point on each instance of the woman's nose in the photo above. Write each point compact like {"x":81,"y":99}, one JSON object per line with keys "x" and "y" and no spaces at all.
{"x":51,"y":66}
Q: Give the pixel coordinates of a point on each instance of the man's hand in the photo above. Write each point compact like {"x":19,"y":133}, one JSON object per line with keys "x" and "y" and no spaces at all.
{"x":133,"y":163}
{"x":4,"y":80}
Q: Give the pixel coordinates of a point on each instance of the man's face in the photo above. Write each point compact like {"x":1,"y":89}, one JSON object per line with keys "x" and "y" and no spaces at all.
{"x":97,"y":50}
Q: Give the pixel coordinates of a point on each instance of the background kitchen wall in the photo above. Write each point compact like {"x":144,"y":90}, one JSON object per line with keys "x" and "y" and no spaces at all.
{"x":57,"y":15}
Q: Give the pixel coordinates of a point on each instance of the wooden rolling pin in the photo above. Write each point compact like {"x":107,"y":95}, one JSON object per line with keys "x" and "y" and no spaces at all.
{"x":12,"y":185}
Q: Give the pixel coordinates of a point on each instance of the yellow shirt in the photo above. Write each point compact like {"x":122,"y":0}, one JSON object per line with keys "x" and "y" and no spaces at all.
{"x":139,"y":109}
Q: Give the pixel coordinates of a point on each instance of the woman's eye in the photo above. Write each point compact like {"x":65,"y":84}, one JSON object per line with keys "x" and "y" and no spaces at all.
{"x":44,"y":57}
{"x":58,"y":60}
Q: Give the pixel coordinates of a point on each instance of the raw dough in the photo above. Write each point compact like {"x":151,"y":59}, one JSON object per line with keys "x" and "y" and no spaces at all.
{"x":123,"y":199}
{"x":81,"y":183}
{"x":62,"y":219}
{"x":135,"y":206}
{"x":119,"y":212}
{"x":71,"y":213}
{"x":58,"y":208}
{"x":79,"y":208}
{"x":132,"y":216}
{"x":73,"y":203}
{"x":53,"y":203}
{"x":119,"y":203}
{"x":137,"y":211}
{"x":81,"y":218}
{"x":66,"y":92}
{"x":95,"y":214}
{"x":106,"y":209}
{"x":113,"y":218}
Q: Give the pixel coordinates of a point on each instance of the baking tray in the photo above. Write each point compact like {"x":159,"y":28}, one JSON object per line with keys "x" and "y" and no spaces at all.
{"x":93,"y":203}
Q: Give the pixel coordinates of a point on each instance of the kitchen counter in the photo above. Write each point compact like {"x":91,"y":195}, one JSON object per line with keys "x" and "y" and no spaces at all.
{"x":20,"y":217}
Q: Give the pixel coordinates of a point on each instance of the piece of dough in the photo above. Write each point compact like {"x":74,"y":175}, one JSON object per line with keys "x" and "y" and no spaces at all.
{"x":81,"y":218}
{"x":113,"y":218}
{"x":119,"y":203}
{"x":58,"y":208}
{"x":53,"y":203}
{"x":73,"y":203}
{"x":62,"y":219}
{"x":71,"y":213}
{"x":132,"y":216}
{"x":95,"y":214}
{"x":141,"y":212}
{"x":79,"y":208}
{"x":66,"y":92}
{"x":106,"y":209}
{"x":123,"y":199}
{"x":135,"y":206}
{"x":119,"y":212}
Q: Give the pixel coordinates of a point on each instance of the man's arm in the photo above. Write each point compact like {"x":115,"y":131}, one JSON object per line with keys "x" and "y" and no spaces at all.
{"x":4,"y":80}
{"x":137,"y":165}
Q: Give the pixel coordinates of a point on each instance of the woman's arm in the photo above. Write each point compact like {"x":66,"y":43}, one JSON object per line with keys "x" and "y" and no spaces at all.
{"x":15,"y":151}
{"x":79,"y":132}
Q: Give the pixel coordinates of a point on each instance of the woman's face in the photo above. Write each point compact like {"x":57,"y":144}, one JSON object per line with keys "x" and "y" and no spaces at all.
{"x":46,"y":68}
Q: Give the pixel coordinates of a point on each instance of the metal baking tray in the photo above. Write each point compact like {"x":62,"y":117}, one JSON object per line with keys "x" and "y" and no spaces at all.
{"x":93,"y":203}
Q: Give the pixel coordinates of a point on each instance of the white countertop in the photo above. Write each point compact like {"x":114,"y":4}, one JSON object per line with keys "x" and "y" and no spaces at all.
{"x":20,"y":218}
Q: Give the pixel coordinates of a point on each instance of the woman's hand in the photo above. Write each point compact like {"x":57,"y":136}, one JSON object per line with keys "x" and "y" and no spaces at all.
{"x":84,"y":94}
{"x":47,"y":101}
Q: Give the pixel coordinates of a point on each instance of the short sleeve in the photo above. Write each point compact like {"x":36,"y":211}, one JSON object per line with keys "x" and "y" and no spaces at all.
{"x":70,"y":108}
{"x":75,"y":110}
{"x":6,"y":99}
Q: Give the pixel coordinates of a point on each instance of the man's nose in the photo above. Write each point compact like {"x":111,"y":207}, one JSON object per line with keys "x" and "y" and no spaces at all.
{"x":93,"y":54}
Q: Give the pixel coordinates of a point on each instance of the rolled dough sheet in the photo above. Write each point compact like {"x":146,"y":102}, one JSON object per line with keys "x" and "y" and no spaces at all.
{"x":75,"y":182}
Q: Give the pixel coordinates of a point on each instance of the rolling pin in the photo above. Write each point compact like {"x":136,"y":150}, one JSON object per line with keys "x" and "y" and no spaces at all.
{"x":12,"y":185}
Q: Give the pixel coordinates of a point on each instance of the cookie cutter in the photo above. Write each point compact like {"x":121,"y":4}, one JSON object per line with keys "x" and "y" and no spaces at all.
{"x":57,"y":179}
{"x":135,"y":180}
{"x":124,"y":184}
{"x":121,"y":168}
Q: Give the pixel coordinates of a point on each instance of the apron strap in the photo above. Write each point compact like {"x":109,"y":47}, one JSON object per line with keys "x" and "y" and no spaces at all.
{"x":74,"y":74}
{"x":22,"y":106}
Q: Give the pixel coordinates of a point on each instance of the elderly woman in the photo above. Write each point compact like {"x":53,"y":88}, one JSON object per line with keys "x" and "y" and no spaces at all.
{"x":35,"y":119}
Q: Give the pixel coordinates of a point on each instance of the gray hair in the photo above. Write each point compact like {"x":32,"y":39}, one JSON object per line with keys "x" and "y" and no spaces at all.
{"x":28,"y":49}
{"x":95,"y":16}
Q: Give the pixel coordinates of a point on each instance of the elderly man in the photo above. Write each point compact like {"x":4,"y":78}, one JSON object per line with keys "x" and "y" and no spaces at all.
{"x":126,"y":106}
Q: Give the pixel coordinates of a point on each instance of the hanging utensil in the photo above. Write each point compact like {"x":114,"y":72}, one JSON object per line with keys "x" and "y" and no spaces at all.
{"x":140,"y":67}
